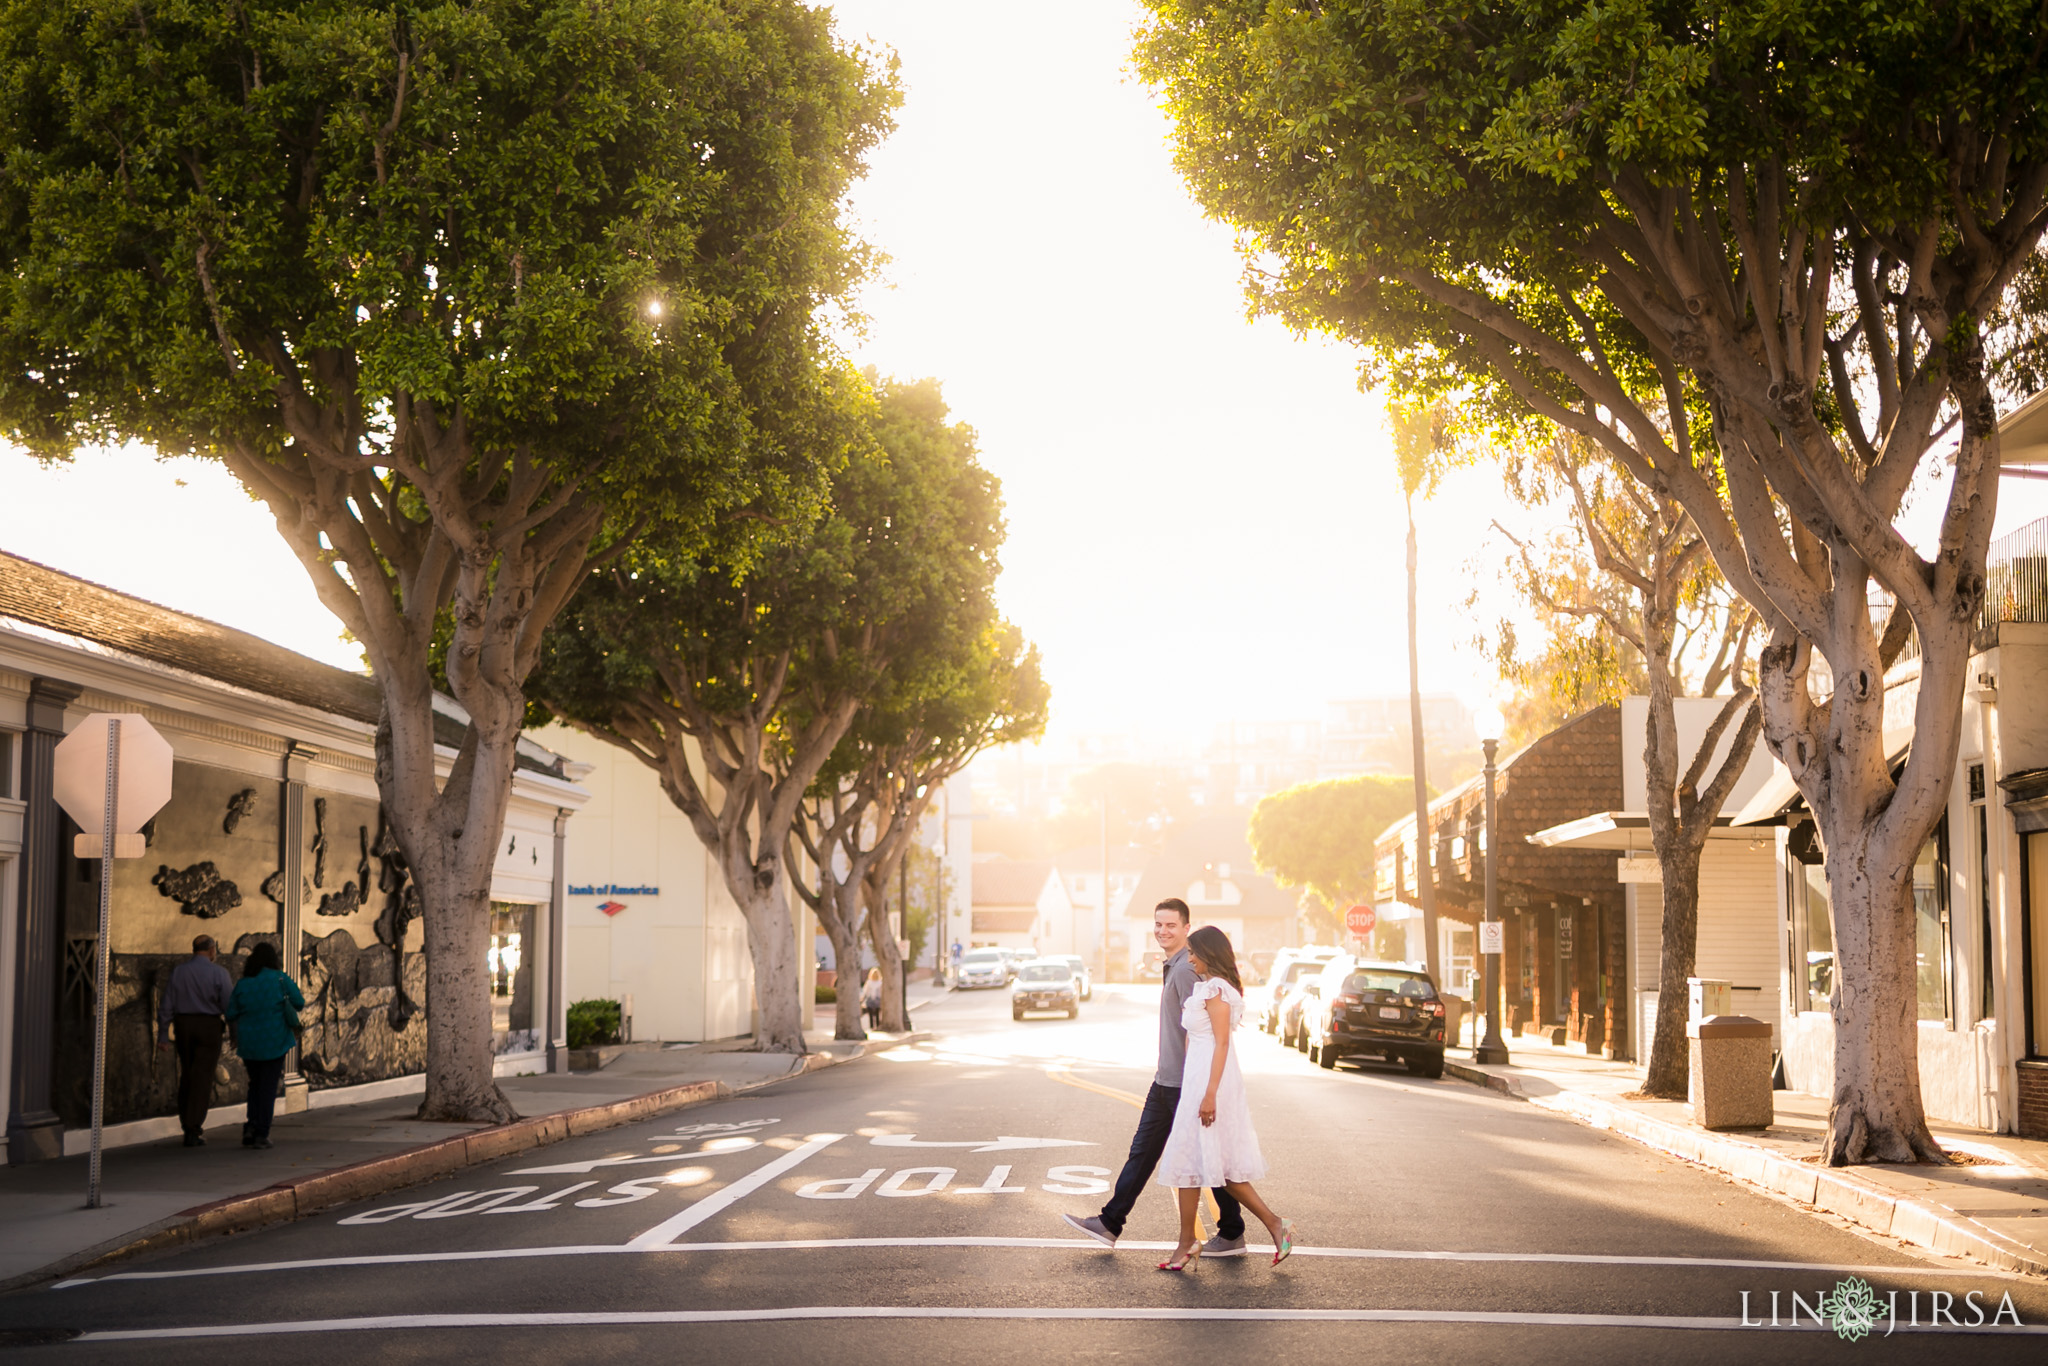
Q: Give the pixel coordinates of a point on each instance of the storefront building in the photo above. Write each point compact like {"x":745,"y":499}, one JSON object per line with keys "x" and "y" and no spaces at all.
{"x":274,"y":832}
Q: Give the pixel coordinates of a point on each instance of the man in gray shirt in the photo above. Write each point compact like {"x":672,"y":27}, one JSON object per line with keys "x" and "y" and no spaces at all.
{"x":195,"y":1003}
{"x":1170,"y":927}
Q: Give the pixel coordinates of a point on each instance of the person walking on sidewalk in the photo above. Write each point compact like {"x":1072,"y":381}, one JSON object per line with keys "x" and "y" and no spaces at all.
{"x":871,"y":998}
{"x":1155,"y":1122}
{"x":265,"y":1013}
{"x":1213,"y":1142}
{"x":194,"y":1008}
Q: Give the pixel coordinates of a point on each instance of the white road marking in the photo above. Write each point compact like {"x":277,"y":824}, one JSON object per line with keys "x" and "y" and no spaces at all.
{"x":1054,"y":1244}
{"x":665,"y":1231}
{"x":993,"y":1186}
{"x":617,"y":1318}
{"x":581,"y":1168}
{"x":1003,"y":1144}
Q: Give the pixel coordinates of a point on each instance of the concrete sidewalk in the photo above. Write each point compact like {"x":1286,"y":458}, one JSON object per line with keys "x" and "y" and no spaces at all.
{"x":1993,"y":1206}
{"x":162,"y":1192}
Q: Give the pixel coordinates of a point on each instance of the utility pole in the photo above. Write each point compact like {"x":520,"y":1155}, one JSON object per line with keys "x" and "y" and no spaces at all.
{"x":1102,"y":958}
{"x":1425,"y":859}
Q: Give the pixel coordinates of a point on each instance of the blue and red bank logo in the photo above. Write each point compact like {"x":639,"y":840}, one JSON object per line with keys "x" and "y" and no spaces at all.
{"x":611,"y":907}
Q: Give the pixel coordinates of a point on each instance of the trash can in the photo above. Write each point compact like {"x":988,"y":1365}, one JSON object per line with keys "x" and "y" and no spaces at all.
{"x":1730,"y":1086}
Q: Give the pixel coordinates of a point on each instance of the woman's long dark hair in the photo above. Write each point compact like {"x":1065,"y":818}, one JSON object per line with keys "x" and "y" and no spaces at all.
{"x":264,"y":955}
{"x":1212,"y":946}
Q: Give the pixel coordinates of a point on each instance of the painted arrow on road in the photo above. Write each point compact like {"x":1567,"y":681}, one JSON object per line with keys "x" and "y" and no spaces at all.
{"x":981,"y":1145}
{"x":594,"y":1163}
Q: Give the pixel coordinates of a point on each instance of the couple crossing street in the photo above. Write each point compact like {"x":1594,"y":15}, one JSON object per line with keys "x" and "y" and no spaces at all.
{"x":1196,"y":1128}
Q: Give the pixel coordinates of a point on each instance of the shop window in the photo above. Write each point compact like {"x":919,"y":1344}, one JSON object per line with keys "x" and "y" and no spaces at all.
{"x":1931,"y":927}
{"x":1984,"y":1006}
{"x":511,"y":969}
{"x":6,"y":763}
{"x":1820,"y":937}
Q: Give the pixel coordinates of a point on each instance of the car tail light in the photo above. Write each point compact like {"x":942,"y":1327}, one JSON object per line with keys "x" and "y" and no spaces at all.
{"x":1350,"y":1000}
{"x":1435,"y":1007}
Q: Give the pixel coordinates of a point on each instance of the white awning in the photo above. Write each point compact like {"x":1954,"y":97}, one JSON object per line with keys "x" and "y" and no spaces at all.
{"x":1628,"y":831}
{"x":2023,"y":433}
{"x":1780,"y":793}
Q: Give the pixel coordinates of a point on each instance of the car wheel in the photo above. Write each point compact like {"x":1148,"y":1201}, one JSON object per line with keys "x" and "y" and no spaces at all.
{"x":1325,"y":1057}
{"x":1073,"y":1012}
{"x":1429,"y":1065}
{"x":1301,"y":1040}
{"x":1016,"y":1014}
{"x":1315,"y":1055}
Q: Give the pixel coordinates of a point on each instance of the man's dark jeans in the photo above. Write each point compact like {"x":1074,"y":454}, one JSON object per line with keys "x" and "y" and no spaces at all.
{"x":1154,"y":1124}
{"x":198,"y":1039}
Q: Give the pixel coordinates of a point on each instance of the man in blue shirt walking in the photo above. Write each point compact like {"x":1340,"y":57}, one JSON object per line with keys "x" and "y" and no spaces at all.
{"x":195,"y":1005}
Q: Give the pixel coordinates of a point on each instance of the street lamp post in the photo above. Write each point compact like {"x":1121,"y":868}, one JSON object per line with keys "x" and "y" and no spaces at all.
{"x":1492,"y":938}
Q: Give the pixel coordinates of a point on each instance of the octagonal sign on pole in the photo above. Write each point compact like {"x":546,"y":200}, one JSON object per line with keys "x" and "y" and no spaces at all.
{"x":1360,"y":920}
{"x":112,"y":773}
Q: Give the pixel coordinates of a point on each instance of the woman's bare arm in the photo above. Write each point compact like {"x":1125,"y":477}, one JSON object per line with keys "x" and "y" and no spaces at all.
{"x":1219,"y":1025}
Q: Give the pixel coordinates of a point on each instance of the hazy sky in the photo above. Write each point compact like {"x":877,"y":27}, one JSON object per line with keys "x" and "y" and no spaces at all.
{"x":1204,"y":522}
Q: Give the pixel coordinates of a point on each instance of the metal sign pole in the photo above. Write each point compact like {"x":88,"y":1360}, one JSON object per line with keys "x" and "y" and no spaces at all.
{"x":99,"y":1020}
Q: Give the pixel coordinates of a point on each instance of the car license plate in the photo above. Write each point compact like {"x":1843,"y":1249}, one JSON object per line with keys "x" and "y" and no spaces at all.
{"x":1390,"y":1012}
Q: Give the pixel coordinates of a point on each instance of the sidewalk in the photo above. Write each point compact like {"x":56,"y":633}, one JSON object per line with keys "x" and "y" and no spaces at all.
{"x":163,"y":1192}
{"x":1994,"y":1208}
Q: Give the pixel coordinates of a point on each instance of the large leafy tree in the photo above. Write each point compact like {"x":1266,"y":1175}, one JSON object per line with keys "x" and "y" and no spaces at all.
{"x":1754,"y":252}
{"x":736,"y":683}
{"x":464,"y":292}
{"x":1320,"y":836}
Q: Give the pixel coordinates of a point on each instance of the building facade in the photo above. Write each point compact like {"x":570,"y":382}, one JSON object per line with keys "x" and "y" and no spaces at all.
{"x":273,"y":833}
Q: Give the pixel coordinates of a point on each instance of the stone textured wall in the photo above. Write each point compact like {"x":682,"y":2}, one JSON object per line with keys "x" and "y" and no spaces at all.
{"x":213,"y":866}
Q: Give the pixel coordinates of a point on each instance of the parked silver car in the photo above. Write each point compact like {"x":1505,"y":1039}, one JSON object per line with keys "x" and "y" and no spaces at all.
{"x":1083,"y":979}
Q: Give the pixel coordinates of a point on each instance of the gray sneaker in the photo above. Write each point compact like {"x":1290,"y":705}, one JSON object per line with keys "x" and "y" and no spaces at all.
{"x":1220,"y":1246}
{"x":1096,"y":1229}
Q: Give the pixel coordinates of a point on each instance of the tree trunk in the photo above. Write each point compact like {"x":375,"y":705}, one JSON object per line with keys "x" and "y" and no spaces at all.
{"x":450,"y":844}
{"x":1875,"y":1112}
{"x":895,"y":1018}
{"x":1425,"y":871}
{"x":771,"y":943}
{"x":846,"y":936}
{"x":1670,"y":1048}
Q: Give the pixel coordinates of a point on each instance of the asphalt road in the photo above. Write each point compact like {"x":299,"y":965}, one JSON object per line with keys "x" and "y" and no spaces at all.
{"x":905,"y":1208}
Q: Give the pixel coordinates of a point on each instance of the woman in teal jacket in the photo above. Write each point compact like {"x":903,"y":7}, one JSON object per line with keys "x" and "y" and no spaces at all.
{"x":264,"y":1012}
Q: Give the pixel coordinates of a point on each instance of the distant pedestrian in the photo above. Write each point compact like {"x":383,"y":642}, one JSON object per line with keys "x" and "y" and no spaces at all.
{"x":1213,"y":1143}
{"x":194,"y":1005}
{"x":265,"y":1013}
{"x":871,"y":998}
{"x":1155,"y":1122}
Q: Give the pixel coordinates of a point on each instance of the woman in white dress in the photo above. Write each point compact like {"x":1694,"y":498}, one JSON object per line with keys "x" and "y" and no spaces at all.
{"x":1212,"y":1143}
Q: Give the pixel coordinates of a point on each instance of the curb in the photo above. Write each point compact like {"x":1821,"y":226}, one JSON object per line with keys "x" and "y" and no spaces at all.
{"x":300,"y":1196}
{"x":1924,"y":1223}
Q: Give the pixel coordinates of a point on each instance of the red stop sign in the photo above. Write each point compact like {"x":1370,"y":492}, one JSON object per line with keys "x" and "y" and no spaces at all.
{"x":1360,"y":919}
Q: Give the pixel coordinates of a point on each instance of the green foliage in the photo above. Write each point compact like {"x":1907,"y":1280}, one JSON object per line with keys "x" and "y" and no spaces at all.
{"x":593,"y":1023}
{"x":1320,"y":835}
{"x":906,"y":546}
{"x":544,"y":248}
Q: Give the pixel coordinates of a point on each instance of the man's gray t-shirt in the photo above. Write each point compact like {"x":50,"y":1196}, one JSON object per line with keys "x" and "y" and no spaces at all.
{"x":1173,"y":1039}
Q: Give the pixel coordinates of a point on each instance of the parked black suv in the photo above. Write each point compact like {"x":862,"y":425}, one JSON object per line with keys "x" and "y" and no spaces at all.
{"x":1386,"y":1009}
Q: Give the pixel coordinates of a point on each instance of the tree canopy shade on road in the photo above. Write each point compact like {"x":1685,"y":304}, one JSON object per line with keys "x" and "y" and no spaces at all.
{"x":1756,"y":252}
{"x":1320,"y":835}
{"x":463,"y":292}
{"x":736,"y":681}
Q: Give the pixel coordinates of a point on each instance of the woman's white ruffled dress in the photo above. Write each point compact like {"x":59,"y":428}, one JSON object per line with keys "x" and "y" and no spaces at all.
{"x":1199,"y":1154}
